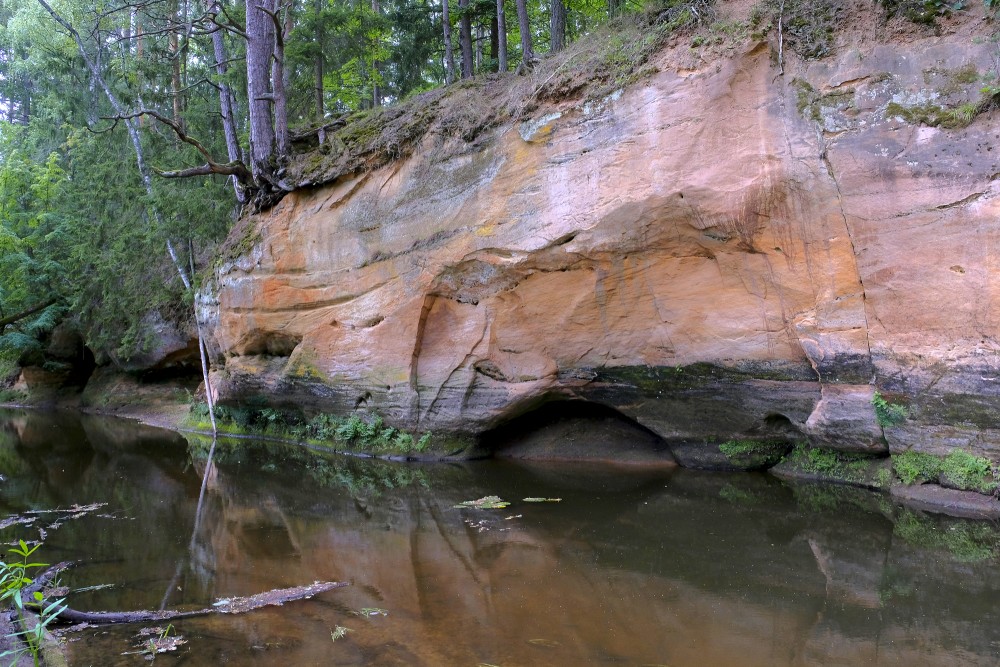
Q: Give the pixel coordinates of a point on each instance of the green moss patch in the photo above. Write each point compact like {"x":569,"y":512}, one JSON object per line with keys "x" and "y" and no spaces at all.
{"x":948,"y":117}
{"x":959,"y":470}
{"x":353,"y":433}
{"x":916,"y":467}
{"x":835,"y":466}
{"x":754,"y":454}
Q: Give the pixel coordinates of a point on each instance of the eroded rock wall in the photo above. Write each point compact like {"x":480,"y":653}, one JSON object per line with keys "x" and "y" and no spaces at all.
{"x":716,"y":252}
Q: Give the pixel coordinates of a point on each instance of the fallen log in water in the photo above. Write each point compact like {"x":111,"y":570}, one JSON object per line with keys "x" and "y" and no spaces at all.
{"x":235,"y":605}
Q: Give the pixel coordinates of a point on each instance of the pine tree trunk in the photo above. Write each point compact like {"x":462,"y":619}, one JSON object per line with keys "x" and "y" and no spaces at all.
{"x":279,"y":84}
{"x":527,"y":52}
{"x":465,"y":38}
{"x":227,"y":103}
{"x":376,"y":72}
{"x":494,"y":39}
{"x":449,"y":53}
{"x":501,"y":36}
{"x":320,"y":37}
{"x":175,"y":65}
{"x":557,"y":26}
{"x":260,"y":49}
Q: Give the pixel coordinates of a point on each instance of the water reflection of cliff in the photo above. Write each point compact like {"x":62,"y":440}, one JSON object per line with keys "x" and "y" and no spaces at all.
{"x":629,"y":568}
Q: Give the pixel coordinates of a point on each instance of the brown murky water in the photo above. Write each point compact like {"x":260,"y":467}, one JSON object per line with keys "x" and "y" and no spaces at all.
{"x":629,"y":568}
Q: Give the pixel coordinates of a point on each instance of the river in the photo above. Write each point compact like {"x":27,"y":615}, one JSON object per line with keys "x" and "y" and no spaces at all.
{"x":620,"y":566}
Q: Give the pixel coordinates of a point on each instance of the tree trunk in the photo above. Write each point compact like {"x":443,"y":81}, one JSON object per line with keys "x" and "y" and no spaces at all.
{"x":144,"y":171}
{"x":376,"y":64}
{"x":319,"y":38}
{"x":557,"y":26}
{"x":494,"y":38}
{"x":480,"y":38}
{"x":279,"y":82}
{"x":465,"y":38}
{"x":260,"y":49}
{"x":173,"y":48}
{"x":227,"y":102}
{"x":501,"y":36}
{"x":449,"y":53}
{"x":527,"y":52}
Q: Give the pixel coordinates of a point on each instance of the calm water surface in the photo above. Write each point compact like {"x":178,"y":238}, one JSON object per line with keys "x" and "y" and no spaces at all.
{"x":630,"y":568}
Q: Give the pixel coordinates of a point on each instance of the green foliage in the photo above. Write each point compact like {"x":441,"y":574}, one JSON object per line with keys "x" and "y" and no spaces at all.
{"x":14,"y":579}
{"x":753,"y":453}
{"x":964,"y":471}
{"x":843,"y":467}
{"x":355,"y":432}
{"x":916,"y":467}
{"x":959,"y":470}
{"x":934,"y":115}
{"x":922,"y":11}
{"x":888,"y":413}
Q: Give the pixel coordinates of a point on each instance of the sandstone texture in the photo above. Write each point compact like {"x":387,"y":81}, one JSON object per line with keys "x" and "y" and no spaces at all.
{"x":719,"y":251}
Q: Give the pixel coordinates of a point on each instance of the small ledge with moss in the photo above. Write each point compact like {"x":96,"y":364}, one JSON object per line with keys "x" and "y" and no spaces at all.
{"x":815,"y":463}
{"x":366,"y":435}
{"x":959,"y":470}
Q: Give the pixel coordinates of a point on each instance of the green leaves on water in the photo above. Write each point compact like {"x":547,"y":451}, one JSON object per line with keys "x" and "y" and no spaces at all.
{"x":496,"y":503}
{"x":339,"y":632}
{"x":368,"y":612}
{"x":484,"y":503}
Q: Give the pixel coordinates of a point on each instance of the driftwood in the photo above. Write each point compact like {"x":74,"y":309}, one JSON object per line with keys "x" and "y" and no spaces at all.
{"x":235,"y":605}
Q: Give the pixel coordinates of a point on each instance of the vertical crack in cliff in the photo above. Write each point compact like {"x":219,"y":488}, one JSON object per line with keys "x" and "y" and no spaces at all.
{"x":850,"y":237}
{"x":464,"y":364}
{"x":418,"y":343}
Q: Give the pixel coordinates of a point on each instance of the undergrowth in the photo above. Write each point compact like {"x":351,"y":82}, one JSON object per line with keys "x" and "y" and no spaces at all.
{"x":844,"y":467}
{"x":958,"y":470}
{"x":753,"y":453}
{"x":370,"y":434}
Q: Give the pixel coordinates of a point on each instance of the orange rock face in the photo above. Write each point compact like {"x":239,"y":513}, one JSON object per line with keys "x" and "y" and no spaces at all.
{"x":716,"y":254}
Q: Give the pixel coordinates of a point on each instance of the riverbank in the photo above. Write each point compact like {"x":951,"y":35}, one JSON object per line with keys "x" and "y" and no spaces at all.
{"x":572,"y":438}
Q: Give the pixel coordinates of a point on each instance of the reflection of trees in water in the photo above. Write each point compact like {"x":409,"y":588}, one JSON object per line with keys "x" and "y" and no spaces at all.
{"x":362,"y":477}
{"x":746,"y":569}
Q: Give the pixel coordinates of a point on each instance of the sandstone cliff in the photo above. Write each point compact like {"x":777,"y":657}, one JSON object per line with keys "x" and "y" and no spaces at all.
{"x":718,"y":251}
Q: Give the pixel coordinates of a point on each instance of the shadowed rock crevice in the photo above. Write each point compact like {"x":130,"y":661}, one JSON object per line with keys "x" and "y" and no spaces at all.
{"x":578,"y":430}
